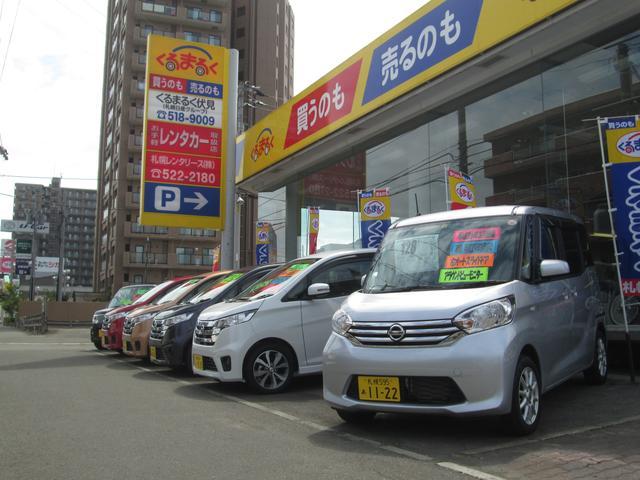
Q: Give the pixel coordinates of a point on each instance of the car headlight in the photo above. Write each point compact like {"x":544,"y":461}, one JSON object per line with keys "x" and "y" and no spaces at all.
{"x":486,"y":316}
{"x":231,"y":320}
{"x":167,"y":322}
{"x":341,"y":322}
{"x":95,"y":319}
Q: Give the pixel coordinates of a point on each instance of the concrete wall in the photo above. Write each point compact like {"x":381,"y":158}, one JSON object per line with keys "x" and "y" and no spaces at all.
{"x":72,"y":312}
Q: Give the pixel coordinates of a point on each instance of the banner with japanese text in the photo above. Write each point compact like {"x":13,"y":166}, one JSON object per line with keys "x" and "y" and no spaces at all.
{"x":215,"y":266}
{"x":314,"y":229}
{"x":462,"y":191}
{"x":622,"y":136}
{"x":263,"y":243}
{"x":436,"y":38}
{"x":375,"y":216}
{"x":184,"y":146}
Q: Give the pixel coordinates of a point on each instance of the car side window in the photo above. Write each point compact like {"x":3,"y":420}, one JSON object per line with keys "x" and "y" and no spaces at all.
{"x":526,"y":268}
{"x":343,"y":278}
{"x":571,"y":243}
{"x":548,"y":244}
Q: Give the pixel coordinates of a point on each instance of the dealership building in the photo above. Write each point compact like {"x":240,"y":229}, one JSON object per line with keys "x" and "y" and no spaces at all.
{"x":509,"y":95}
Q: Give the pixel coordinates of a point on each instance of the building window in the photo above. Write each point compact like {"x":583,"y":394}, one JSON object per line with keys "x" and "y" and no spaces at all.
{"x":215,"y":16}
{"x":240,"y":33}
{"x":214,"y":40}
{"x":241,"y":53}
{"x":137,"y":278}
{"x":191,"y":37}
{"x":241,"y":11}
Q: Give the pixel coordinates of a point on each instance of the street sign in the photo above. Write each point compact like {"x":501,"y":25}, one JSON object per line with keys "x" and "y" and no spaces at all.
{"x":23,"y":247}
{"x":6,"y":265}
{"x":8,"y":247}
{"x":47,"y":266}
{"x":22,"y":226}
{"x":23,"y":266}
{"x":185,"y":125}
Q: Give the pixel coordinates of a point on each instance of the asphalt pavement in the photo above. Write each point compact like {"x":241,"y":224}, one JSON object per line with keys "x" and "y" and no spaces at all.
{"x":71,"y":412}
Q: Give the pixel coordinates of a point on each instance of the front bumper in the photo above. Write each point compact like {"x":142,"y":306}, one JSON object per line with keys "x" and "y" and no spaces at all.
{"x":113,"y":340}
{"x":223,"y":361}
{"x":480,"y":366}
{"x":136,"y":344}
{"x":172,"y":349}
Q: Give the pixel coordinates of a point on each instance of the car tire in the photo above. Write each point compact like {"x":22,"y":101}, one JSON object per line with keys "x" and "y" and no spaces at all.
{"x":596,"y":374}
{"x":358,"y":417}
{"x":98,"y":345}
{"x":188,"y":360}
{"x":525,"y":398}
{"x":269,"y":368}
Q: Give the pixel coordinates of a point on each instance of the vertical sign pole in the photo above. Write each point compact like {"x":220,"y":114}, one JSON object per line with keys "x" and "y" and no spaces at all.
{"x":632,"y":374}
{"x":446,"y":186}
{"x":227,"y":254}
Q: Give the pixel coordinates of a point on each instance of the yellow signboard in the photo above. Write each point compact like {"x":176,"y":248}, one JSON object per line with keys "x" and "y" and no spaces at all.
{"x":462,"y":191}
{"x":433,"y":40}
{"x":623,"y":144}
{"x":183,"y":157}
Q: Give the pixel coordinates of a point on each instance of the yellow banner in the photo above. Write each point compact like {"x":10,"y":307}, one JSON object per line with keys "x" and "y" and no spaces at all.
{"x":462,"y":191}
{"x":437,"y":37}
{"x":184,"y":139}
{"x":623,"y":145}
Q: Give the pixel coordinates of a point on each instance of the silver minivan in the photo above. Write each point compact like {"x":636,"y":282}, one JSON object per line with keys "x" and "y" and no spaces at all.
{"x":476,"y":311}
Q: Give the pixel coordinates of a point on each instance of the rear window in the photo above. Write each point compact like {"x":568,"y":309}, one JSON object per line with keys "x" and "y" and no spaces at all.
{"x":128,"y":295}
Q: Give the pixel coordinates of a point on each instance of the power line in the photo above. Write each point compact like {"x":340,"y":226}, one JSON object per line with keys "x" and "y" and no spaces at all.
{"x":6,"y":54}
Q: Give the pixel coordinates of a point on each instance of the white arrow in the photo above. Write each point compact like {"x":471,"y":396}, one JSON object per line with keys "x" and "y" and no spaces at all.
{"x":199,"y":200}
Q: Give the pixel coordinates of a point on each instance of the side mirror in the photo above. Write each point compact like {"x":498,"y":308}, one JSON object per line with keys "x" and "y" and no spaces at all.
{"x":553,"y":268}
{"x":362,"y":280}
{"x":318,"y":289}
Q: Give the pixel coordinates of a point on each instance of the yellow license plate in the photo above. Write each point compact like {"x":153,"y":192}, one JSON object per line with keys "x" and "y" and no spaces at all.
{"x":100,"y":333}
{"x":152,"y":353}
{"x":198,"y":362}
{"x":379,"y":389}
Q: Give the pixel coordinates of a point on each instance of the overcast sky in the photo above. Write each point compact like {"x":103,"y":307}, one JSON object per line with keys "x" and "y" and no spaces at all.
{"x":50,"y":89}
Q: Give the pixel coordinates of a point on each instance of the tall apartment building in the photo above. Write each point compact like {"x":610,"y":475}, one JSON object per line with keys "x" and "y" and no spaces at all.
{"x":70,"y":213}
{"x":126,"y":252}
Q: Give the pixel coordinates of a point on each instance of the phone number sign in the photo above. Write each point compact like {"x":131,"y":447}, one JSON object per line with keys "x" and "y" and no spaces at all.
{"x":184,"y":134}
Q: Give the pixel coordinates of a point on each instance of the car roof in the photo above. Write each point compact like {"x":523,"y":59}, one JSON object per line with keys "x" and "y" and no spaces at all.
{"x":339,"y":253}
{"x":469,"y":213}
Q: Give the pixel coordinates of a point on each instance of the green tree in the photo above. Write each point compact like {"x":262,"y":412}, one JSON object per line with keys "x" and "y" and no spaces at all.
{"x":10,"y":301}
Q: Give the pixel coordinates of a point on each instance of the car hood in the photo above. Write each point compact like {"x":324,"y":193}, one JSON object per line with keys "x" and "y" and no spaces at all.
{"x":420,"y":304}
{"x":102,"y":311}
{"x":223,"y":309}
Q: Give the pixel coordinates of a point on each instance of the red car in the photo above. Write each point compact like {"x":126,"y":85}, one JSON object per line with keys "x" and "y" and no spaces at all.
{"x":114,"y":320}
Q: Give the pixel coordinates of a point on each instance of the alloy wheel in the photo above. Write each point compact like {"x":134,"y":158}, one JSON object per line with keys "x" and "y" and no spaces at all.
{"x":602,"y":357}
{"x":271,"y":369}
{"x":528,"y":395}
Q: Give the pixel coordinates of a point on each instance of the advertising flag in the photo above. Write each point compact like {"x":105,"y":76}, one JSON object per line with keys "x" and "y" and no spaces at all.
{"x":216,"y":259}
{"x":375,"y":216}
{"x":462,"y":191}
{"x":184,"y":141}
{"x":314,"y":229}
{"x":263,"y":242}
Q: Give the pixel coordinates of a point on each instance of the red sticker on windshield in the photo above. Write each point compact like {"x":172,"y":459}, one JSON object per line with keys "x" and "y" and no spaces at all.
{"x":476,"y":234}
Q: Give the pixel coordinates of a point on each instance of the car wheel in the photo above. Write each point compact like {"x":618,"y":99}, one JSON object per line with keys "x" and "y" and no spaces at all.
{"x":359,"y":417}
{"x":525,"y":398}
{"x":269,"y":368}
{"x":596,"y":374}
{"x":98,"y":345}
{"x":188,"y":361}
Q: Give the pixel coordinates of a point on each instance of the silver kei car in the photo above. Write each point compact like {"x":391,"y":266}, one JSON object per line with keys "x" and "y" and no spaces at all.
{"x":476,"y":311}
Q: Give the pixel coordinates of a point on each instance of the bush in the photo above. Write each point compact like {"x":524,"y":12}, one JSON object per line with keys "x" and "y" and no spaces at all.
{"x":9,"y":301}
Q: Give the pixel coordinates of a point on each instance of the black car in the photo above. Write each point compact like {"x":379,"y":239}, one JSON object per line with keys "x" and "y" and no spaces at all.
{"x":172,"y":330}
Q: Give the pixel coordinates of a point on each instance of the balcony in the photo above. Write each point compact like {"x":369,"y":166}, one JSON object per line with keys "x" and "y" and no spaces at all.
{"x":138,"y":62}
{"x":132,"y":200}
{"x":135,"y":229}
{"x":192,"y":259}
{"x":147,"y":259}
{"x":140,"y":34}
{"x":136,"y":115}
{"x":155,"y":10}
{"x":134,"y":171}
{"x":135,"y":143}
{"x":137,"y":89}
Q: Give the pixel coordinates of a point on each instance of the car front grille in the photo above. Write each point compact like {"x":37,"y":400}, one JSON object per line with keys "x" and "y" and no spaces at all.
{"x":209,"y":364}
{"x":406,"y":333}
{"x":203,"y":334}
{"x":434,"y":391}
{"x":156,"y":329}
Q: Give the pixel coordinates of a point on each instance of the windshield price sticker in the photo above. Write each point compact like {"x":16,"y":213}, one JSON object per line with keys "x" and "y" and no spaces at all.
{"x":489,"y":246}
{"x":476,"y":234}
{"x":470,"y":260}
{"x":230,"y":278}
{"x":457,"y":275}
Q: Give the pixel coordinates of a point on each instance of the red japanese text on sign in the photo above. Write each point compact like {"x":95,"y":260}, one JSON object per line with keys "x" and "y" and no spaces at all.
{"x":476,"y":234}
{"x":183,"y":138}
{"x":182,"y":169}
{"x":325,"y":105}
{"x":169,"y":84}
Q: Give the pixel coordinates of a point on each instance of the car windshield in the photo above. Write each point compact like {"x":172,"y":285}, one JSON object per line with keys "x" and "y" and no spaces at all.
{"x":216,"y":287}
{"x":152,"y":293}
{"x":179,"y":291}
{"x":274,"y":281}
{"x":465,"y":253}
{"x":128,"y":295}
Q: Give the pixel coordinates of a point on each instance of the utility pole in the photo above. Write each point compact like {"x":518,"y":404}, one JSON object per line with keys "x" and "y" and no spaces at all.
{"x":146,"y":259}
{"x":34,"y":222}
{"x":61,"y":274}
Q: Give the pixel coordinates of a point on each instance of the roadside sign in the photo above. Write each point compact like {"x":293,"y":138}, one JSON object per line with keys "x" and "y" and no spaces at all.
{"x":184,"y":134}
{"x":46,"y":266}
{"x":22,"y":226}
{"x":6,"y":265}
{"x":23,"y":266}
{"x":8,"y":247}
{"x":23,"y":247}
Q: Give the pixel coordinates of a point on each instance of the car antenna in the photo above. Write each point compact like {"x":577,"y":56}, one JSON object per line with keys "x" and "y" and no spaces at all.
{"x":417,"y":209}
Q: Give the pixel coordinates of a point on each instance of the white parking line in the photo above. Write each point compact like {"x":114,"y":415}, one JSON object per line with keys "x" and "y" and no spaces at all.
{"x":551,"y":436}
{"x":472,"y":472}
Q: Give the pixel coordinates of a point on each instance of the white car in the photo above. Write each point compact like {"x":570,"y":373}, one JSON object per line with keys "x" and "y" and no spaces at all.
{"x":277,"y":327}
